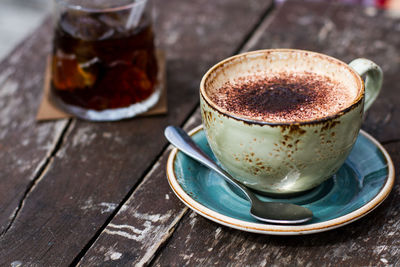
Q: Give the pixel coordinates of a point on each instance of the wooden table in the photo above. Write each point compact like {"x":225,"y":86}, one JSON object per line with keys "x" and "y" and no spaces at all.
{"x":76,"y":192}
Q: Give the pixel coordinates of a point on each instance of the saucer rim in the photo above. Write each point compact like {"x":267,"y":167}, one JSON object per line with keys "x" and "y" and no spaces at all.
{"x":263,"y":228}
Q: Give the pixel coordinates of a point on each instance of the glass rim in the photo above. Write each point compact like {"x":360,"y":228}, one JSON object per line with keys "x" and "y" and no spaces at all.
{"x":98,"y":10}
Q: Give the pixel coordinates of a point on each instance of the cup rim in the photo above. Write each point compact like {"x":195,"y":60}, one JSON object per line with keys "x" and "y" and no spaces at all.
{"x":98,"y":10}
{"x":357,"y":101}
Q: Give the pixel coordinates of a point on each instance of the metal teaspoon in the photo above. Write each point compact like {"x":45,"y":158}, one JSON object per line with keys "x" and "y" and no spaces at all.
{"x":271,"y":212}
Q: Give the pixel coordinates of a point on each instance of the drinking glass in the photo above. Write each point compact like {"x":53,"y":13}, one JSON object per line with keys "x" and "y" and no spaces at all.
{"x":103,"y":64}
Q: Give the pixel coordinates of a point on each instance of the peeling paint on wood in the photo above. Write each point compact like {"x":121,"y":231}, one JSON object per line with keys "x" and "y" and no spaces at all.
{"x":25,"y":146}
{"x":371,"y":241}
{"x":99,"y":164}
{"x":106,"y":161}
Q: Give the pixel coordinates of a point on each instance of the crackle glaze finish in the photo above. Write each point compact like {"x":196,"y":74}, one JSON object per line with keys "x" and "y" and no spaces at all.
{"x":281,"y":158}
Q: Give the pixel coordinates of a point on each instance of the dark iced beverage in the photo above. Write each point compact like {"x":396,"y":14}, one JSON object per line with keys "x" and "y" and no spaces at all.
{"x":104,"y":62}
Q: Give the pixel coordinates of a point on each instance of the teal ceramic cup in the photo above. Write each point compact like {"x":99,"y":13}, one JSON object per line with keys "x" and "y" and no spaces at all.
{"x":283,"y":158}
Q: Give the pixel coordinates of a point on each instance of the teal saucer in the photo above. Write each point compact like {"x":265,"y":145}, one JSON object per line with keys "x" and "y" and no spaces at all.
{"x":360,"y":185}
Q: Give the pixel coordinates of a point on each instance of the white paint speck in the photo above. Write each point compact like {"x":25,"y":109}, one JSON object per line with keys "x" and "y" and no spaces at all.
{"x":84,"y":136}
{"x":152,"y":217}
{"x":16,"y":264}
{"x":116,"y":256}
{"x":193,"y":219}
{"x":263,"y":263}
{"x":385,"y":261}
{"x":186,"y":257}
{"x":111,"y":254}
{"x":138,"y":234}
{"x":217,"y":232}
{"x":166,"y":196}
{"x":107,"y":207}
{"x":172,"y":37}
{"x":129,"y":231}
{"x":124,"y":208}
{"x":325,"y":30}
{"x":379,"y":249}
{"x":104,"y":207}
{"x":88,"y":204}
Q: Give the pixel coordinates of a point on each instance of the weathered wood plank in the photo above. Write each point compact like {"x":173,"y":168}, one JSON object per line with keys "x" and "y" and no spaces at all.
{"x":25,"y":145}
{"x":99,"y":163}
{"x":345,"y":32}
{"x":368,"y":242}
{"x":143,"y":224}
{"x":371,"y":241}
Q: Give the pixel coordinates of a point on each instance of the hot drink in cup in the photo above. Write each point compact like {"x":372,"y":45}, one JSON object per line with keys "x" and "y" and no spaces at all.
{"x":283,"y":97}
{"x":282,"y":121}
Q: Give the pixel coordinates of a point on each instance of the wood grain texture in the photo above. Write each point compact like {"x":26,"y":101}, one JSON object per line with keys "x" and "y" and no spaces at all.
{"x":25,"y":145}
{"x":144,"y":223}
{"x":370,"y":241}
{"x":345,"y":32}
{"x":98,"y":164}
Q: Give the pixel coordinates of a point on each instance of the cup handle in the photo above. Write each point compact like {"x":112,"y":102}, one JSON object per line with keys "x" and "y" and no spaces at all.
{"x":373,"y":78}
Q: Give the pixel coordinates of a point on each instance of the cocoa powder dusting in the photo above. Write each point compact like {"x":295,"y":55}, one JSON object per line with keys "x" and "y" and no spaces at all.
{"x":283,"y":97}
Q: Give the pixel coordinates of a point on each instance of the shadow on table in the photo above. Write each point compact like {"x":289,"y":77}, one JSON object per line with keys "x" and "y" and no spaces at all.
{"x":369,"y":227}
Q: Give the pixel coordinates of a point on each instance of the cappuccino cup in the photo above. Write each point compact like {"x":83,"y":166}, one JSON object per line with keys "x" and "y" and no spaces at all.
{"x":282,"y":121}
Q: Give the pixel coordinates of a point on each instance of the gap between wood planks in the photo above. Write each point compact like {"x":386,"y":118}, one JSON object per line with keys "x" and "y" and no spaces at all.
{"x":40,"y":173}
{"x":390,"y":141}
{"x":249,"y":40}
{"x":240,"y":48}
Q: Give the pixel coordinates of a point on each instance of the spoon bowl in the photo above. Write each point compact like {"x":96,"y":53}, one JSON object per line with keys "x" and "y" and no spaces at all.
{"x":271,"y":212}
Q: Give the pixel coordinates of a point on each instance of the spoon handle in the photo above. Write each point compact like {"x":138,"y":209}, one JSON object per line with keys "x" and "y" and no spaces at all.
{"x":181,"y":140}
